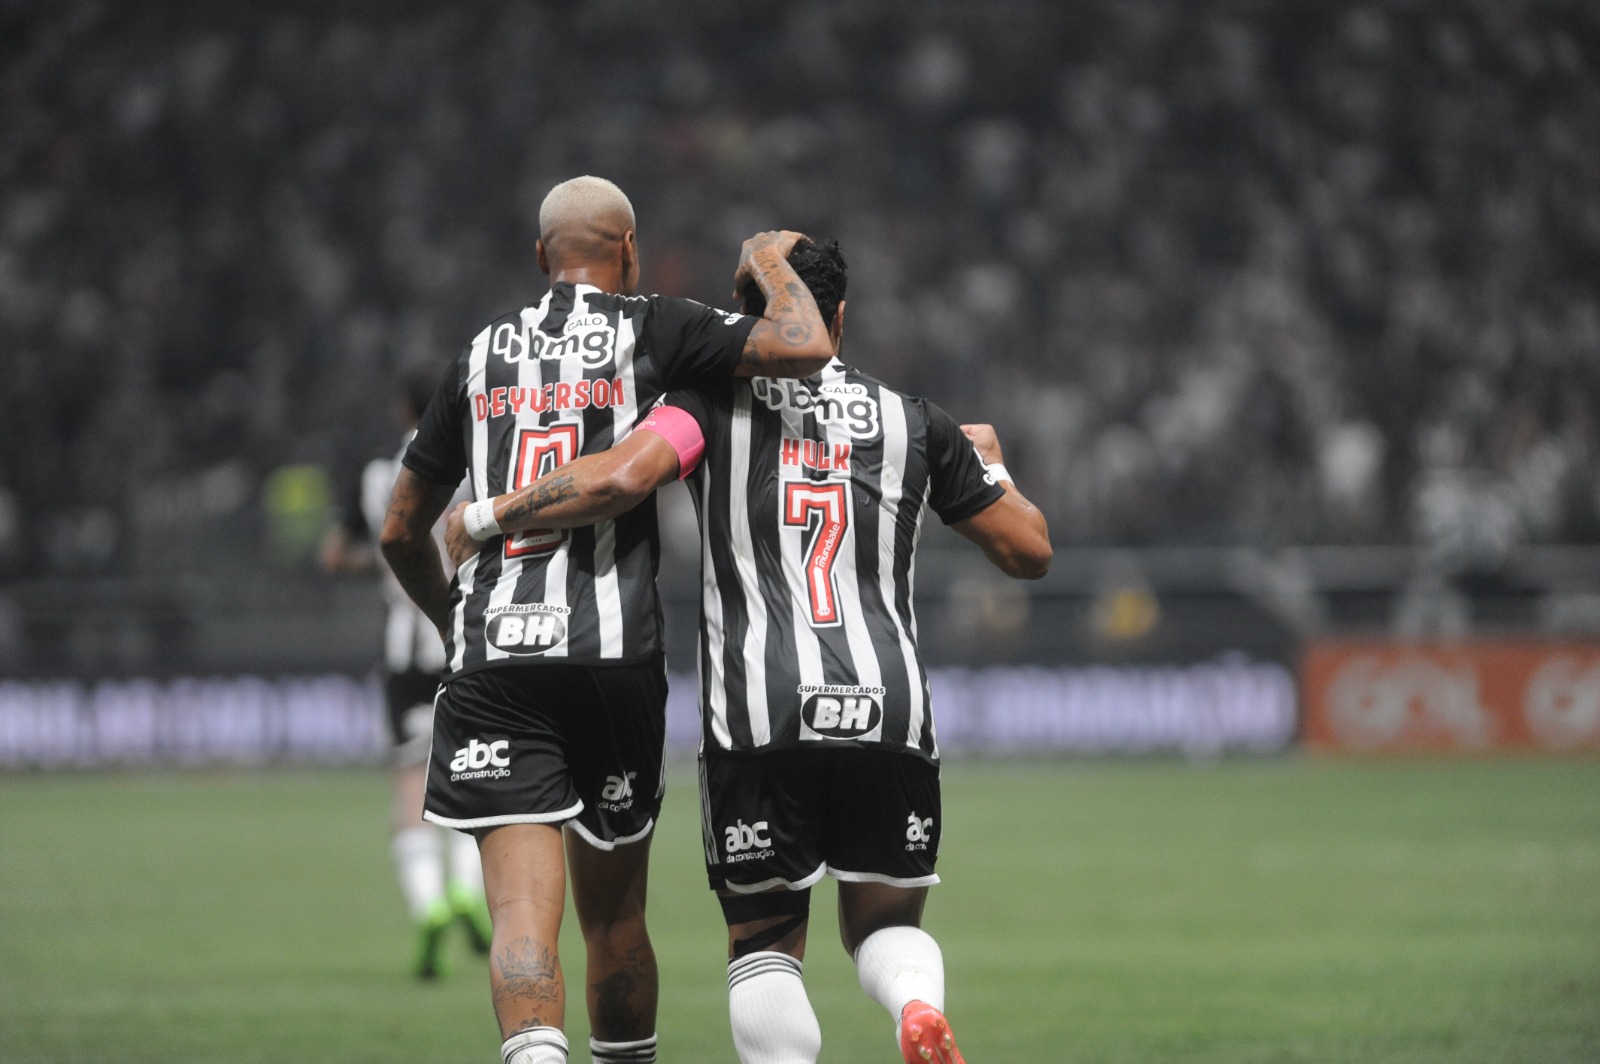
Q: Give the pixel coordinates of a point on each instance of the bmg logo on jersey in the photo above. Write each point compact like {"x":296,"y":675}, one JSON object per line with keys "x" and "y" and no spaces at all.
{"x":746,"y":842}
{"x":589,"y":338}
{"x":919,"y":832}
{"x":482,"y":760}
{"x":617,"y":794}
{"x":837,"y":711}
{"x":525,"y":630}
{"x":849,"y":406}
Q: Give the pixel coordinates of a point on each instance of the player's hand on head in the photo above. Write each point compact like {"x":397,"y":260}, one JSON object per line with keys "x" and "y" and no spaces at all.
{"x":778,"y":241}
{"x":985,"y":441}
{"x":457,"y":543}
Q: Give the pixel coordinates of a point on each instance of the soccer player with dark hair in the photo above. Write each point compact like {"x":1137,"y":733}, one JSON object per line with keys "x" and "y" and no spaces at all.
{"x":818,"y":752}
{"x":550,"y":722}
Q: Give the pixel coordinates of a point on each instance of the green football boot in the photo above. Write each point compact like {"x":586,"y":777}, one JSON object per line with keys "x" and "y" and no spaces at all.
{"x":472,"y":910}
{"x":431,"y":961}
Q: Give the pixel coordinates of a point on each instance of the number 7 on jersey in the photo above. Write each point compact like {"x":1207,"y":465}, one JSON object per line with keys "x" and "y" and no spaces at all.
{"x":824,"y":511}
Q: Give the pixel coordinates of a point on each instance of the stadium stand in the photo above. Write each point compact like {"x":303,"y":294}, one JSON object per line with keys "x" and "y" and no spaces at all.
{"x":1233,"y":277}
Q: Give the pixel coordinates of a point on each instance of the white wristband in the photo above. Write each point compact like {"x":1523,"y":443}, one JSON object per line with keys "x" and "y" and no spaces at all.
{"x":998,"y":471}
{"x":479,"y":520}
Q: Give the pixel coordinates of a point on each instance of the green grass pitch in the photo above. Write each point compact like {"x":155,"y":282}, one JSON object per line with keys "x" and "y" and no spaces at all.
{"x":1246,"y":912}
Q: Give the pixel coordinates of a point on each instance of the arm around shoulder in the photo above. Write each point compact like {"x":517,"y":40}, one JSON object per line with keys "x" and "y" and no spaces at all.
{"x":595,"y":487}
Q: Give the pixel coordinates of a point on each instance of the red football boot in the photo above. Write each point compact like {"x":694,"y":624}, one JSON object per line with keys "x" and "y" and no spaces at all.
{"x":925,"y":1036}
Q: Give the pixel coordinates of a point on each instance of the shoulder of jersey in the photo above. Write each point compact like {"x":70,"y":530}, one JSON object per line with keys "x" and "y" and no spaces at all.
{"x":616,"y":299}
{"x":856,"y":376}
{"x":729,"y":317}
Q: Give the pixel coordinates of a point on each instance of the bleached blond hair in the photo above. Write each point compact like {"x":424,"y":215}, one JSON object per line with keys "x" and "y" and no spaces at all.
{"x":591,"y":202}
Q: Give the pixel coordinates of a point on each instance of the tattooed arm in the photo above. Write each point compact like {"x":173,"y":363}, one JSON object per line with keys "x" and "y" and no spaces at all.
{"x":595,"y":487}
{"x":409,"y":547}
{"x":791,"y":339}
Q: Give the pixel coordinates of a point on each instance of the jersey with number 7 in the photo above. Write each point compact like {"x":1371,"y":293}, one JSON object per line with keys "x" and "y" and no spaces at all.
{"x":811,"y":496}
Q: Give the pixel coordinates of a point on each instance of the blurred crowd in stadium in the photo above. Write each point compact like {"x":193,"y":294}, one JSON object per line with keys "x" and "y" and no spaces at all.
{"x":1221,"y":273}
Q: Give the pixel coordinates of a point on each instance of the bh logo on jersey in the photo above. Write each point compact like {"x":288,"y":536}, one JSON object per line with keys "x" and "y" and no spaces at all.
{"x":482,"y":761}
{"x":529,"y":630}
{"x":747,"y":842}
{"x":918,"y":832}
{"x":834,"y":711}
{"x":617,"y":794}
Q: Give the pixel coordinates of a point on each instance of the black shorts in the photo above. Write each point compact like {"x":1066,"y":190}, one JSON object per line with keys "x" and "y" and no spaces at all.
{"x":551,"y":744}
{"x":409,"y":696}
{"x":785,"y":817}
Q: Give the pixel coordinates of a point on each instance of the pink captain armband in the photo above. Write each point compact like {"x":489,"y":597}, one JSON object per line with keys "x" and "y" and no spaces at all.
{"x":680,"y":429}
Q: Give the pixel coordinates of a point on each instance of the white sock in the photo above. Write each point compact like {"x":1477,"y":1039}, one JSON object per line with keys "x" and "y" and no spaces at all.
{"x":419,"y":860}
{"x":641,"y":1052}
{"x":466,"y":867}
{"x":899,"y":965}
{"x":773,"y":1022}
{"x":536,"y":1045}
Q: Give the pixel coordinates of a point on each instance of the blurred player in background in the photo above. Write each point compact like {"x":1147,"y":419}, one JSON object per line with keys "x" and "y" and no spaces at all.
{"x":438,"y":868}
{"x":552,"y":720}
{"x":818,"y":753}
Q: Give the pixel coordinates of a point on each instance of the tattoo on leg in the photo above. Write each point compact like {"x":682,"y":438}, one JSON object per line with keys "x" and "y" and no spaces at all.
{"x":624,"y":1000}
{"x":528,"y":983}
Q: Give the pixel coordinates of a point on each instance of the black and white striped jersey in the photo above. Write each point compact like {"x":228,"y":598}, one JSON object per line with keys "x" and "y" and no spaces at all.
{"x":811,"y":496}
{"x":531,"y":392}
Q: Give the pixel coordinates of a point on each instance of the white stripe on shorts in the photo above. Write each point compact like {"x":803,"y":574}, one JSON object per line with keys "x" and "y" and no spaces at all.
{"x":509,"y":818}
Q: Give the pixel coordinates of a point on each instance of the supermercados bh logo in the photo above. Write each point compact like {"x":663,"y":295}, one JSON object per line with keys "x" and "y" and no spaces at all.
{"x":526,"y":629}
{"x":849,"y":406}
{"x":837,"y":711}
{"x":488,"y":759}
{"x":590,"y":338}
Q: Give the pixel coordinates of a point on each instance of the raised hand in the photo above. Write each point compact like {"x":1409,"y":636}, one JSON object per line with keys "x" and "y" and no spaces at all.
{"x":984,"y":439}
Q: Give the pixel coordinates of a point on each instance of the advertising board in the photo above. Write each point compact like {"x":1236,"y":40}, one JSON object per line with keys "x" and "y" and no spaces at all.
{"x":1387,"y":695}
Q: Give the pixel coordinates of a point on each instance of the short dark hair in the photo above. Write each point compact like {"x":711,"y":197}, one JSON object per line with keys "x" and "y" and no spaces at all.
{"x":821,"y":268}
